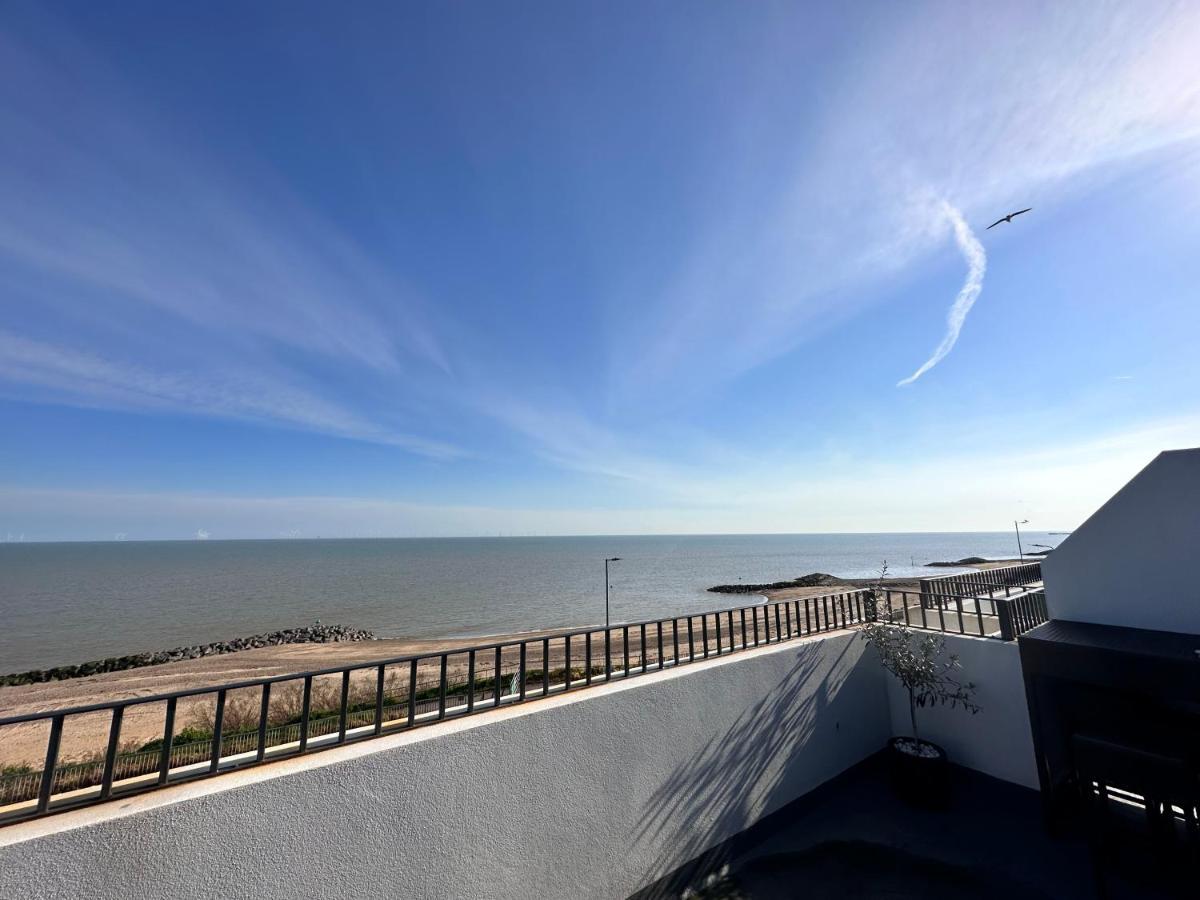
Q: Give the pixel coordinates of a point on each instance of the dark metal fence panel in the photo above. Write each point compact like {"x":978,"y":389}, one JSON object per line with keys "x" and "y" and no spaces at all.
{"x":1004,"y":618}
{"x":983,"y":581}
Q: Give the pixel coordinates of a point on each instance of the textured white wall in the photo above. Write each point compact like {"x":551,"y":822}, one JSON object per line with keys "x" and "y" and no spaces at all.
{"x":997,"y":740}
{"x":593,"y":794}
{"x":1133,"y":562}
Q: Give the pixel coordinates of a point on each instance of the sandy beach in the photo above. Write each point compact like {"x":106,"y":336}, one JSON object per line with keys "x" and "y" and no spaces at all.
{"x":85,"y":734}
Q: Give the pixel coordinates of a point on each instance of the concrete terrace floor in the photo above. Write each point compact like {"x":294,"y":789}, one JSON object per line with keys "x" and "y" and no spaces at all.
{"x":853,"y":838}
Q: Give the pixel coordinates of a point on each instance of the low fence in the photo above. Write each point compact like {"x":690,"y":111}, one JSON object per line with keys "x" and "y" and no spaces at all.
{"x":980,"y":581}
{"x":468,"y":680}
{"x":25,"y":786}
{"x":1003,"y":618}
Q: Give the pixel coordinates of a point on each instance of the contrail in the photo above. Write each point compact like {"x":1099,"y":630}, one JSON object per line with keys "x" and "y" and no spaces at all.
{"x":967,"y":294}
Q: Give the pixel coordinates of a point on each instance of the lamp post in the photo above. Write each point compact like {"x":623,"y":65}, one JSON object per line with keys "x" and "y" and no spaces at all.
{"x":607,"y":635}
{"x":1017,"y":525}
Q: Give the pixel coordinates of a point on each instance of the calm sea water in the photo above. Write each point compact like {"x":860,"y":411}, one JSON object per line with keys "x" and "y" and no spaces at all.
{"x":66,"y":603}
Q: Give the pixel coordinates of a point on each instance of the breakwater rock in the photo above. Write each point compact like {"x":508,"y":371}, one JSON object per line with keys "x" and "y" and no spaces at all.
{"x":816,"y":579}
{"x":965,"y":561}
{"x":310,"y":634}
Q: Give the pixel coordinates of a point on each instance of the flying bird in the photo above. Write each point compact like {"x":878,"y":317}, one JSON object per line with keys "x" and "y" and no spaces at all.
{"x":1009,"y":217}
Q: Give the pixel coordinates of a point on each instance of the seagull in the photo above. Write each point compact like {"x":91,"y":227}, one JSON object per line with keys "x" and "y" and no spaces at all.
{"x":1009,"y":217}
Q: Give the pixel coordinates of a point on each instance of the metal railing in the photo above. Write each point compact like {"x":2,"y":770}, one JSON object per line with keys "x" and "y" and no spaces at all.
{"x":1002,"y":617}
{"x":392,"y":695}
{"x":1021,"y":613}
{"x":982,"y":581}
{"x":385,"y":697}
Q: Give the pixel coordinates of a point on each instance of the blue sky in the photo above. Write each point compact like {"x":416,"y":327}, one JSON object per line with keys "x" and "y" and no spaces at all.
{"x":289,"y":269}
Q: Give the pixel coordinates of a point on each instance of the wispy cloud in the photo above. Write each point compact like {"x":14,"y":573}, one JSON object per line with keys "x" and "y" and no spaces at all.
{"x":977,"y":491}
{"x":81,"y":378}
{"x":143,"y":273}
{"x":976,"y":259}
{"x":148,"y":268}
{"x":923,"y":113}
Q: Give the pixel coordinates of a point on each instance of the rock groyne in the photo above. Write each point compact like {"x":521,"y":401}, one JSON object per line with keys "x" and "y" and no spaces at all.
{"x":309,"y":634}
{"x":816,"y":579}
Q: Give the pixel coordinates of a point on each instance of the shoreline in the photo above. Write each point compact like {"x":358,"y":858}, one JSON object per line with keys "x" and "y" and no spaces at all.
{"x":20,"y":743}
{"x":25,"y":743}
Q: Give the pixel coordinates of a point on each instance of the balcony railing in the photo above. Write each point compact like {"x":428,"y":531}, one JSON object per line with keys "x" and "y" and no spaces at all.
{"x":1003,"y":617}
{"x":982,"y":581}
{"x":248,"y":723}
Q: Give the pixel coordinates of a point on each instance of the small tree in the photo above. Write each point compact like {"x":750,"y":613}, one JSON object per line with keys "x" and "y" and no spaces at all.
{"x":917,"y":663}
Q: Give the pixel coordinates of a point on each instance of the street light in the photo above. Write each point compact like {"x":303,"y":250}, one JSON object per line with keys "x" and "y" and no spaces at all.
{"x":1017,"y":525}
{"x":607,"y":635}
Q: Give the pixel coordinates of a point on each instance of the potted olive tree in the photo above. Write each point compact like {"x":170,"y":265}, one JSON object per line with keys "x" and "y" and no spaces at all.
{"x":919,"y":662}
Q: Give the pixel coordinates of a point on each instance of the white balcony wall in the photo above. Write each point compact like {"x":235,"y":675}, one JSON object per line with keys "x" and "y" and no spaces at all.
{"x":593,"y":794}
{"x":997,"y":740}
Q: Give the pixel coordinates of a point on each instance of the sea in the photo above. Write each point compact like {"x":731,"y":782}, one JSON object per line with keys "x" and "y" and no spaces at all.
{"x":67,"y":603}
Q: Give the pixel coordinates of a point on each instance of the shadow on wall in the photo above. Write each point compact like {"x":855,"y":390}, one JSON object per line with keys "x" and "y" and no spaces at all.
{"x":780,"y":747}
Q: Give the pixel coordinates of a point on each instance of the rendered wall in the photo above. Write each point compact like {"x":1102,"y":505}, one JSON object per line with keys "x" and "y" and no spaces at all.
{"x":1133,"y":562}
{"x":997,"y":740}
{"x":594,"y":794}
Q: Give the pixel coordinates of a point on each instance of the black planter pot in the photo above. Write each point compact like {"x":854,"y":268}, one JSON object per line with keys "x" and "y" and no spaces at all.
{"x":919,"y":780}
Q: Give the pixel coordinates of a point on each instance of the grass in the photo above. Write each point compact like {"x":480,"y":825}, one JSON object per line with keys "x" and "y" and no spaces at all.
{"x":242,"y":714}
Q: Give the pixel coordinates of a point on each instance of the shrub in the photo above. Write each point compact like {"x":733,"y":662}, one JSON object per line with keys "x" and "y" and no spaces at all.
{"x":917,"y":663}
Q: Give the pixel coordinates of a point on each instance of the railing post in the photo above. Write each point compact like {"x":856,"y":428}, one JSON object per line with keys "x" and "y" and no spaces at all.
{"x":164,"y":763}
{"x":521,"y":668}
{"x":443,"y":665}
{"x":110,"y":757}
{"x":1004,"y":614}
{"x":587,"y":639}
{"x":412,"y":691}
{"x":344,"y":709}
{"x":379,"y":690}
{"x":499,"y":672}
{"x":218,"y":725}
{"x":305,"y":710}
{"x":51,"y":763}
{"x":587,"y":659}
{"x":471,"y":681}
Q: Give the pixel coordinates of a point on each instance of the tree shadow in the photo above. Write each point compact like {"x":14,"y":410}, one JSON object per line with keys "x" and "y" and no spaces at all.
{"x":779,"y":748}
